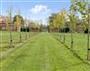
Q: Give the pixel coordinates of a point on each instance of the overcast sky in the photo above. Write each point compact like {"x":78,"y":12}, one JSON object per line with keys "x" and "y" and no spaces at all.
{"x":34,"y":9}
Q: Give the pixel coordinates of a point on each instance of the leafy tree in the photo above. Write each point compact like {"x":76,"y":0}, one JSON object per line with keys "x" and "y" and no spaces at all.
{"x":83,"y":8}
{"x":57,"y":20}
{"x":18,"y":20}
{"x":72,"y":17}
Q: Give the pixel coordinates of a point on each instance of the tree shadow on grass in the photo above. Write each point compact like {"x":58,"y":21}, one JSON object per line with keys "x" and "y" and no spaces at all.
{"x":73,"y":52}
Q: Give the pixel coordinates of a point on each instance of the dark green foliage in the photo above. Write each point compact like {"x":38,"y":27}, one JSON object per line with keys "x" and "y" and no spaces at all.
{"x":86,"y":31}
{"x":22,"y":20}
{"x":25,"y":29}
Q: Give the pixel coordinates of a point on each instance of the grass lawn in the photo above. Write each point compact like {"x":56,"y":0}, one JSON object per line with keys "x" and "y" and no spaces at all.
{"x":80,"y":42}
{"x":5,"y":39}
{"x":43,"y":53}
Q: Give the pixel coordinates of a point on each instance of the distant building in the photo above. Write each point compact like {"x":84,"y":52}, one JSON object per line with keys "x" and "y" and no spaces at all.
{"x":3,"y":23}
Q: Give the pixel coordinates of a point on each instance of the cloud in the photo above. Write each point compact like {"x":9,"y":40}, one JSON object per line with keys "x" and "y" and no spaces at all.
{"x":38,"y":9}
{"x":40,"y":12}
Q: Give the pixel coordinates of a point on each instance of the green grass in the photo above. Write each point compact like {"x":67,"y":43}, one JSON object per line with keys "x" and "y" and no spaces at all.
{"x":5,"y":39}
{"x":80,"y":43}
{"x":43,"y":53}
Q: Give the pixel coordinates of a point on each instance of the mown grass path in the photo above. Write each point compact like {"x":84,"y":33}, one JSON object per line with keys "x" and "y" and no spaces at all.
{"x":43,"y":53}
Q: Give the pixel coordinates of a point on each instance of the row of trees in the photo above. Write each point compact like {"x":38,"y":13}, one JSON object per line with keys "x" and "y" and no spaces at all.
{"x":20,"y":24}
{"x":79,"y":12}
{"x":57,"y":21}
{"x":14,"y":23}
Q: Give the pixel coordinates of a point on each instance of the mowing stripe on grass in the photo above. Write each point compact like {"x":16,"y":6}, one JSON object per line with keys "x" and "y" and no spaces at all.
{"x":43,"y":53}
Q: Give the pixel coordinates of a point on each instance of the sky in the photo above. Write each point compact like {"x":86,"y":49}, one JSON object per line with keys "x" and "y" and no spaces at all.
{"x":38,"y":10}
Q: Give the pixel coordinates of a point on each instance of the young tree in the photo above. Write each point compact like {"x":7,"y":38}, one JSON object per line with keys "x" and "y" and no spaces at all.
{"x":62,"y":22}
{"x":83,"y":7}
{"x":9,"y":21}
{"x":57,"y":21}
{"x":88,"y":36}
{"x":73,"y":21}
{"x":18,"y":21}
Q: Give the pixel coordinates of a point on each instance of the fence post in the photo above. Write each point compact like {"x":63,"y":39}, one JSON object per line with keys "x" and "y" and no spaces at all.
{"x":64,"y":36}
{"x":11,"y":41}
{"x":29,"y":33}
{"x":71,"y":40}
{"x":88,"y":41}
{"x":20,"y":36}
{"x":26,"y":34}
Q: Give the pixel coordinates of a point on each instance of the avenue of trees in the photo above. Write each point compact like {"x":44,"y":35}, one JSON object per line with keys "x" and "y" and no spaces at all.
{"x":63,"y":22}
{"x":77,"y":15}
{"x":19,"y":23}
{"x":68,"y":21}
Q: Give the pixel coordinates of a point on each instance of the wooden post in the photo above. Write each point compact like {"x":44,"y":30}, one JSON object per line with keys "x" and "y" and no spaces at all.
{"x":88,"y":54}
{"x":71,"y":39}
{"x":29,"y":31}
{"x":10,"y":26}
{"x":64,"y":36}
{"x":72,"y":32}
{"x":20,"y":37}
{"x":88,"y":38}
